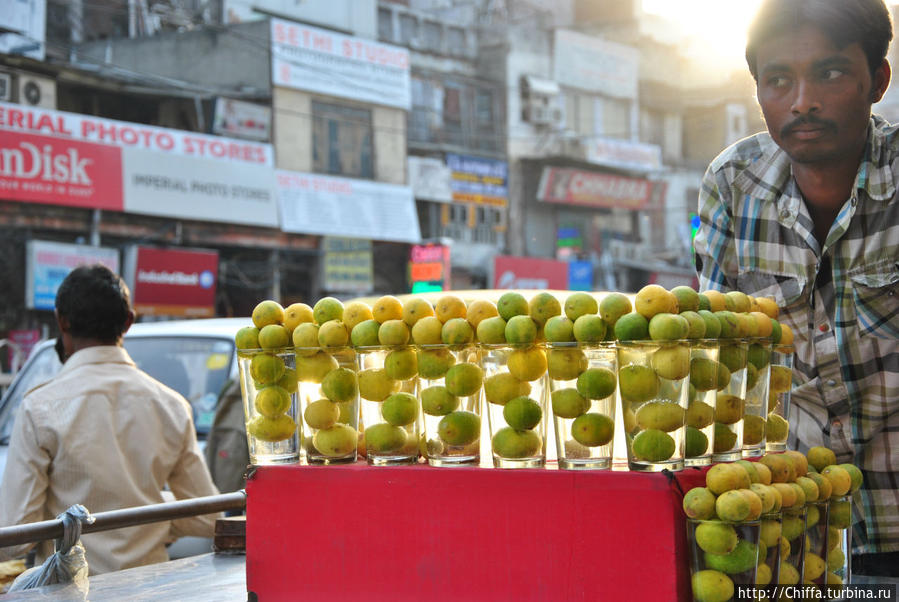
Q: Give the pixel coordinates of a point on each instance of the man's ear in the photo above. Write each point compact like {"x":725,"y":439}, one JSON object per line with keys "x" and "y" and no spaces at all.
{"x":129,"y":321}
{"x":62,"y":322}
{"x":880,"y":81}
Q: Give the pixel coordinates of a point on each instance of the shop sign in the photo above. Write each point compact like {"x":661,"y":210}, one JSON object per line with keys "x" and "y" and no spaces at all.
{"x":24,"y":23}
{"x":593,"y":189}
{"x":241,"y":119}
{"x":81,"y":161}
{"x":429,"y":267}
{"x":590,"y":63}
{"x":430,"y":179}
{"x":348,"y":265}
{"x":48,"y":263}
{"x":326,"y":62}
{"x":478,"y":181}
{"x":24,"y":341}
{"x":511,"y":272}
{"x":624,"y":154}
{"x":334,"y":206}
{"x":172,"y":282}
{"x":580,"y":276}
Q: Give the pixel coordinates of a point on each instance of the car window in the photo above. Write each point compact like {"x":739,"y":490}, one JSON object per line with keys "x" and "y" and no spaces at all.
{"x":43,"y":366}
{"x":195,"y":367}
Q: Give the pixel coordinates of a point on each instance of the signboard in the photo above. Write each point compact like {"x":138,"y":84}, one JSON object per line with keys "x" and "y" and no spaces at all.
{"x":81,"y":161}
{"x":580,"y":276}
{"x":593,"y":189}
{"x":28,"y":19}
{"x":242,"y":119}
{"x":479,"y":181}
{"x":326,"y":62}
{"x":429,"y":267}
{"x":624,"y":154}
{"x":430,"y":179}
{"x":24,"y":341}
{"x":48,"y":263}
{"x":348,"y":265}
{"x":172,"y":282}
{"x":597,"y":65}
{"x":529,"y":273}
{"x":334,"y":206}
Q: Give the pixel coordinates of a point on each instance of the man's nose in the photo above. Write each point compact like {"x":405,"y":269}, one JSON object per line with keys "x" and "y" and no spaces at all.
{"x":806,"y":98}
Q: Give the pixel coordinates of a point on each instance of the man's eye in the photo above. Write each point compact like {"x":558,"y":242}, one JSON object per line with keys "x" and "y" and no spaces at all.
{"x":777,"y":81}
{"x":832,"y":74}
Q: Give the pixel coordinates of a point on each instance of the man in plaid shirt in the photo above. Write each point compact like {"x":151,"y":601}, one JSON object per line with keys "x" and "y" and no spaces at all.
{"x":808,"y":213}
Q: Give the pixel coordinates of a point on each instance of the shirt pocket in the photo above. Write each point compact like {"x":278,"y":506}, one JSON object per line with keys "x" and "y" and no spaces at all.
{"x":788,"y":290}
{"x":875,"y":292}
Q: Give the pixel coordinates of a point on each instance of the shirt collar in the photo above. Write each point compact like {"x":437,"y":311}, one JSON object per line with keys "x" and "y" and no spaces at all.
{"x":767,"y":178}
{"x":100,"y":354}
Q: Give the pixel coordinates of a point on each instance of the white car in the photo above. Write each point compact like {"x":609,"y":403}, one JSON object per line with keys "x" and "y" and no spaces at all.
{"x":197,"y":358}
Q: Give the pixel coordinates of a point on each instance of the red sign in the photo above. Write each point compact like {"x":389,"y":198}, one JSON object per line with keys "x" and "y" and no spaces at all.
{"x":173,"y":282}
{"x":60,"y":171}
{"x":593,"y":189}
{"x":529,"y":273}
{"x":24,"y":340}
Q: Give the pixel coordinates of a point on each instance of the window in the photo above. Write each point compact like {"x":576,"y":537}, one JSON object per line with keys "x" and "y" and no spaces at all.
{"x":616,"y":118}
{"x":455,"y":39}
{"x":385,"y":24}
{"x":484,"y":106}
{"x":408,"y":30}
{"x":342,"y":140}
{"x":432,"y":36}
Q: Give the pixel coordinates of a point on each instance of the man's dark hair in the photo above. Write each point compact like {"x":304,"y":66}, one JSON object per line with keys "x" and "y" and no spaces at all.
{"x":844,"y":22}
{"x":96,"y":303}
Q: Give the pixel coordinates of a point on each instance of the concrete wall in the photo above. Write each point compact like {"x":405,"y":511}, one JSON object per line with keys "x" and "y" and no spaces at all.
{"x":390,"y":144}
{"x":237,"y":58}
{"x":292,"y":129}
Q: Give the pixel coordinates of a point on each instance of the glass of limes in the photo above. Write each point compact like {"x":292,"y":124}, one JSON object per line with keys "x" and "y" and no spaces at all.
{"x":388,"y":398}
{"x":582,"y":387}
{"x":268,"y":386}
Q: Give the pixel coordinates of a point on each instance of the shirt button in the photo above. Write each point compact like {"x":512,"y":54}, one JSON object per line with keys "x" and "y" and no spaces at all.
{"x":831,"y":383}
{"x":784,"y":214}
{"x":824,"y":328}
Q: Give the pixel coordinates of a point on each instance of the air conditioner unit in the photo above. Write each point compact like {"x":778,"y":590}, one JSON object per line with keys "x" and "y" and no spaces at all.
{"x":35,"y":91}
{"x":541,"y":114}
{"x":5,"y":87}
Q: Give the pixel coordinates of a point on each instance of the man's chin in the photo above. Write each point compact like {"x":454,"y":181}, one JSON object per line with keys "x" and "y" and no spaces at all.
{"x":812,"y":156}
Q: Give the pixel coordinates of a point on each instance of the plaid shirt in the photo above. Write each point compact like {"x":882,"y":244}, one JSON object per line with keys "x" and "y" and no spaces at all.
{"x":842,"y":303}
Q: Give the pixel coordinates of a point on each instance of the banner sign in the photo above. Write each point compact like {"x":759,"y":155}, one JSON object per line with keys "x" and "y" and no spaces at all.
{"x":580,"y":276}
{"x":430,"y":179}
{"x":172,"y":282}
{"x":479,"y":181}
{"x":591,"y":63}
{"x":593,"y":189}
{"x":81,"y":161}
{"x":48,"y":263}
{"x":242,"y":119}
{"x":326,"y":62}
{"x":624,"y":154}
{"x":334,"y":206}
{"x":529,"y":273}
{"x":430,"y":264}
{"x":348,"y":265}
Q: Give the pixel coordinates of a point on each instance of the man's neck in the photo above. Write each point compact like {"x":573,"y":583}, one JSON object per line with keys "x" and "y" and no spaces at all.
{"x":825,"y":188}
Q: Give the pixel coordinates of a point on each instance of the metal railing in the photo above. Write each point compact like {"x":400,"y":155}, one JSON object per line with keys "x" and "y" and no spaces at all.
{"x":126,"y":517}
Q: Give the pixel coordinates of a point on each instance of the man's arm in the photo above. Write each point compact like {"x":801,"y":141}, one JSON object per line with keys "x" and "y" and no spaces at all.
{"x":23,"y":490}
{"x":713,"y":245}
{"x":189,"y":479}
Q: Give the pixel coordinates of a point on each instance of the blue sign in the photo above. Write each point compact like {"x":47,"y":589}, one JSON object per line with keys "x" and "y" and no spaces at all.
{"x":580,"y":276}
{"x":48,"y":264}
{"x":477,"y":180}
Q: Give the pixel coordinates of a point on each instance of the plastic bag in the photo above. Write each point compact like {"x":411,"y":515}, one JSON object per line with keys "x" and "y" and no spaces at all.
{"x":68,"y":564}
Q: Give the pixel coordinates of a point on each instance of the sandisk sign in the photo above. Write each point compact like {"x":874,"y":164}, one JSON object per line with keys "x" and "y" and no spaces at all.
{"x":172,"y":282}
{"x":42,"y":169}
{"x":83,"y":161}
{"x":593,"y":189}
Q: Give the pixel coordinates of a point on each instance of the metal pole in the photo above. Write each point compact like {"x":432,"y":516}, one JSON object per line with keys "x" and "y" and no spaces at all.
{"x":126,"y":517}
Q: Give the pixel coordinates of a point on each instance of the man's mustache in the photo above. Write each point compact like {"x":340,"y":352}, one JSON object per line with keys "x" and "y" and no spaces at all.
{"x":807,"y":120}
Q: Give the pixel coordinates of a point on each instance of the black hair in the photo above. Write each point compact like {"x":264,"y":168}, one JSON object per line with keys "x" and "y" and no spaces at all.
{"x":844,"y":22}
{"x":96,"y":303}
